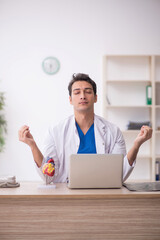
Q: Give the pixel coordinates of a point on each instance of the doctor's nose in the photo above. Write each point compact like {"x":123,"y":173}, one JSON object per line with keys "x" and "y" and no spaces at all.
{"x":82,"y":96}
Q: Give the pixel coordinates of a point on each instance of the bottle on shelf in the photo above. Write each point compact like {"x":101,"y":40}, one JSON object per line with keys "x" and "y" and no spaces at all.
{"x":157,"y":170}
{"x":149,"y":94}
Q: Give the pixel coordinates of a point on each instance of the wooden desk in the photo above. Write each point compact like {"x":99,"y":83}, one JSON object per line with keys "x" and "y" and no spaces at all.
{"x":31,"y":213}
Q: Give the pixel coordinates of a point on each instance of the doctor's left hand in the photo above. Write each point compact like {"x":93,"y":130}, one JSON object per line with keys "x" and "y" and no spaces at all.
{"x":144,"y":135}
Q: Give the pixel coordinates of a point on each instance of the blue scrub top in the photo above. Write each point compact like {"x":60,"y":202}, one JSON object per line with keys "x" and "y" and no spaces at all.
{"x":87,"y":141}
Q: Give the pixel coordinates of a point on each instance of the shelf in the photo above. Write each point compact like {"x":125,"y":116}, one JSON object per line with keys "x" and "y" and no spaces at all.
{"x":143,"y":157}
{"x":129,"y":106}
{"x":137,"y":180}
{"x":127,"y":55}
{"x":125,"y":78}
{"x":130,"y":131}
{"x":129,"y":81}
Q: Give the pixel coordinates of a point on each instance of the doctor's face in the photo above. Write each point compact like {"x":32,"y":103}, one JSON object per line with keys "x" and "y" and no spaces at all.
{"x":82,"y":96}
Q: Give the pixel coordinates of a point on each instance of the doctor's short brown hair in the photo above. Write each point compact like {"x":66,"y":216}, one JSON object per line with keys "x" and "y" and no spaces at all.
{"x":81,"y":77}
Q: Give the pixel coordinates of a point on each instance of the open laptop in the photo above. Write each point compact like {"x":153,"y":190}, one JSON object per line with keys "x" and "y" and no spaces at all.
{"x":95,"y":171}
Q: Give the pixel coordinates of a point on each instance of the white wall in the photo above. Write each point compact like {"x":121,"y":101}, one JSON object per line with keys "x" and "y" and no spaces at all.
{"x":78,"y":33}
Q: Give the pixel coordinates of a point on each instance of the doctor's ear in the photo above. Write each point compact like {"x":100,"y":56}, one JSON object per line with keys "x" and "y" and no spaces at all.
{"x":95,"y":98}
{"x":70,"y":100}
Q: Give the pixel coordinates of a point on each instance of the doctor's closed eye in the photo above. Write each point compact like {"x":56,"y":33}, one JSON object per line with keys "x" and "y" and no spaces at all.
{"x":90,"y":91}
{"x":87,"y":90}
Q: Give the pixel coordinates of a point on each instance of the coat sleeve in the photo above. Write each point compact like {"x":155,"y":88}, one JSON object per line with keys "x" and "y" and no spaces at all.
{"x":49,"y":150}
{"x":120,"y":147}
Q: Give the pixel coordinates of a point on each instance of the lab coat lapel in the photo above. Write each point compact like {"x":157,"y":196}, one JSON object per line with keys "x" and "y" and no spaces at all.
{"x":100,"y":131}
{"x":72,"y":141}
{"x":75,"y":137}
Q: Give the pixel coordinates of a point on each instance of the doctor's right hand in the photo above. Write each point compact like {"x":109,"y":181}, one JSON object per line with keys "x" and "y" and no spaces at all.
{"x":25,"y":136}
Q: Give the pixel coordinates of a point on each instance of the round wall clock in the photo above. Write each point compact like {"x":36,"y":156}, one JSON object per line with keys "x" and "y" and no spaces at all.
{"x":51,"y":65}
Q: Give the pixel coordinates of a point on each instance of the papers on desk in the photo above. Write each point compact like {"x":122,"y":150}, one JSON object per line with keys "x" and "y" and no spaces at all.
{"x":143,"y":186}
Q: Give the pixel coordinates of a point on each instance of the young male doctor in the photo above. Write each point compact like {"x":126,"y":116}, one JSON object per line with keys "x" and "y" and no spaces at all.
{"x":83,"y":132}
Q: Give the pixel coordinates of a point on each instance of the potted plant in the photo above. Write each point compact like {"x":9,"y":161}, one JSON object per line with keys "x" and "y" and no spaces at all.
{"x":3,"y":124}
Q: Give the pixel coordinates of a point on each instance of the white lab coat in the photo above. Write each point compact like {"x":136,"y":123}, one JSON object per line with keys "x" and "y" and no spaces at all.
{"x":63,"y":140}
